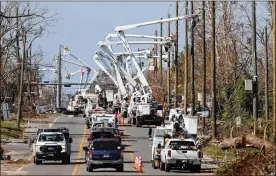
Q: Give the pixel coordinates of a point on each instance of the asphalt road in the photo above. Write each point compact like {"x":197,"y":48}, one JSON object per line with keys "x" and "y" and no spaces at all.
{"x":135,"y":139}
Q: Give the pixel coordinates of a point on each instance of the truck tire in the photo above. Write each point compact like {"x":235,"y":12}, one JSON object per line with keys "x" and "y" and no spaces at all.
{"x":120,"y":168}
{"x":66,"y":160}
{"x":38,"y":162}
{"x":89,"y":168}
{"x":138,"y":124}
{"x":162,"y":166}
{"x":196,"y":169}
{"x":167,"y":168}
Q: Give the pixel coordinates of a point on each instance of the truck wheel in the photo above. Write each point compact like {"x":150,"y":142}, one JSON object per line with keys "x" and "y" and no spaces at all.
{"x":138,"y":124}
{"x":196,"y":169}
{"x":38,"y":162}
{"x":66,"y":160}
{"x":89,"y":168}
{"x":167,"y":168}
{"x":162,"y":166}
{"x":120,"y":168}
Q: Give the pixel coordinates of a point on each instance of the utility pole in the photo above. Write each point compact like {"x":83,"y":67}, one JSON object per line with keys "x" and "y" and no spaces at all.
{"x":176,"y":59}
{"x":59,"y":79}
{"x":155,"y":59}
{"x":20,"y":98}
{"x":192,"y":64}
{"x":29,"y":75}
{"x":161,"y":58}
{"x":266,"y":74}
{"x":213,"y":68}
{"x":169,"y":67}
{"x":274,"y":73}
{"x":186,"y":59}
{"x":203,"y":52}
{"x":254,"y":63}
{"x":17,"y":39}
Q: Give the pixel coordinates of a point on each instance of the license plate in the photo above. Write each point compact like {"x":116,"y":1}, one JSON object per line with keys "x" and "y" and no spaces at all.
{"x":184,"y":151}
{"x":51,"y":154}
{"x":106,"y":155}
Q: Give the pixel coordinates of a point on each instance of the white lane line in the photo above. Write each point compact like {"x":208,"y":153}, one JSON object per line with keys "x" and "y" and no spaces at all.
{"x":50,"y":125}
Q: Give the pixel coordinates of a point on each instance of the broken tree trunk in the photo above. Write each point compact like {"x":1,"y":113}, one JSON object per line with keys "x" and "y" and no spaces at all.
{"x":238,"y":142}
{"x":247,"y":141}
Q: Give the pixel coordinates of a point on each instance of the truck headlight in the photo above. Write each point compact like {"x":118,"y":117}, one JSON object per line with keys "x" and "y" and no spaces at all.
{"x":37,"y":148}
{"x":63,"y":148}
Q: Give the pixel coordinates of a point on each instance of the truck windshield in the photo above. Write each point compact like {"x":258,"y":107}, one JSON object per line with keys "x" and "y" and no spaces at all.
{"x":51,"y":137}
{"x":160,"y":133}
{"x":106,"y":145}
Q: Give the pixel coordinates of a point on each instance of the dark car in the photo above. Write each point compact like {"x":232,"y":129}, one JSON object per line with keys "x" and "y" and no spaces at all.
{"x":104,"y":153}
{"x":115,"y":131}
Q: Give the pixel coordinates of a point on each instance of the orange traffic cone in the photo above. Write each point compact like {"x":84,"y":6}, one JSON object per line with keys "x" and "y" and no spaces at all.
{"x":140,"y":167}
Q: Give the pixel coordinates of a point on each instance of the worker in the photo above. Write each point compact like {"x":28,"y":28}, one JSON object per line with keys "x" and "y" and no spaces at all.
{"x":177,"y":131}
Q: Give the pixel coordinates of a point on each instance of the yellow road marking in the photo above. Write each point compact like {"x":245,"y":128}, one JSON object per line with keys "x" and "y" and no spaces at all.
{"x":80,"y":152}
{"x":128,"y":148}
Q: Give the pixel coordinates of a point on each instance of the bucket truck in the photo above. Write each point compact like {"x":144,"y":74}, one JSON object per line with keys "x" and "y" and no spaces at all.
{"x":141,"y":104}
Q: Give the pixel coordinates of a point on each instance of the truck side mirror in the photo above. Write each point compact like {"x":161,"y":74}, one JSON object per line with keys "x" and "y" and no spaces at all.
{"x":85,"y":148}
{"x":69,"y":140}
{"x":123,"y":147}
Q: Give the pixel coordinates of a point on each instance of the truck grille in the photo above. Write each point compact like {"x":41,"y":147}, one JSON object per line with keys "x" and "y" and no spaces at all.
{"x":51,"y":149}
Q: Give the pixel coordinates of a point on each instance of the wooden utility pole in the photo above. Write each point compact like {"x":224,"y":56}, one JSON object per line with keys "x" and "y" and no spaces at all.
{"x":213,"y":68}
{"x":266,"y":74}
{"x":254,"y":64}
{"x":169,"y":68}
{"x":59,"y":79}
{"x":20,"y":97}
{"x":155,"y":59}
{"x":203,"y":60}
{"x":274,"y":73}
{"x":186,"y":60}
{"x":29,"y":75}
{"x":17,"y":40}
{"x":192,"y":64}
{"x":176,"y":59}
{"x":161,"y":52}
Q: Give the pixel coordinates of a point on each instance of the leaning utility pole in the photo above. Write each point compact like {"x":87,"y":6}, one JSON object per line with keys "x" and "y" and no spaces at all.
{"x":213,"y":68}
{"x":266,"y":74}
{"x":20,"y":97}
{"x":203,"y":60}
{"x":254,"y":64}
{"x":169,"y":68}
{"x":186,"y":60}
{"x":59,"y":79}
{"x":161,"y":58}
{"x":274,"y":73}
{"x":176,"y":59}
{"x":192,"y":65}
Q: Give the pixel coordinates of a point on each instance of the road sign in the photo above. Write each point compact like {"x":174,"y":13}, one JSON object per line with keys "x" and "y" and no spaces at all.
{"x":248,"y":84}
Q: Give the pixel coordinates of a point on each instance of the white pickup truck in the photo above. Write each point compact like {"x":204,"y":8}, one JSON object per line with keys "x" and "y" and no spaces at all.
{"x":182,"y":154}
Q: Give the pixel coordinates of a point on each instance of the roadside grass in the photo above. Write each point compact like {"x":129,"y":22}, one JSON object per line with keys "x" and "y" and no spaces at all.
{"x":229,"y":155}
{"x":9,"y":129}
